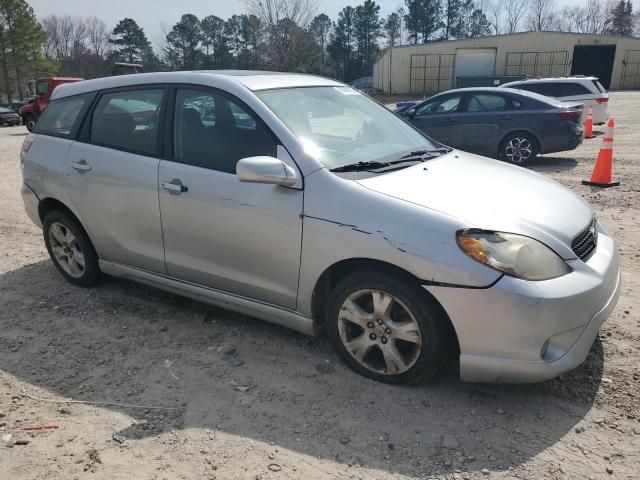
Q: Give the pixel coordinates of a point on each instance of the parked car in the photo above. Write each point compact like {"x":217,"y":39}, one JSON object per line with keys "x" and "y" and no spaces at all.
{"x":9,"y":117}
{"x":328,"y":213}
{"x":513,"y":125}
{"x":586,"y":90}
{"x":31,"y":111}
{"x":365,"y":84}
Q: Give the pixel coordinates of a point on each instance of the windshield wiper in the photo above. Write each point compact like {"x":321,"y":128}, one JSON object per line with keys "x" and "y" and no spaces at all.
{"x":354,"y":167}
{"x":422,"y":153}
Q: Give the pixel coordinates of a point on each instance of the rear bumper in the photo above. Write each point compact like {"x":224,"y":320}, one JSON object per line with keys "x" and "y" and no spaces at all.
{"x":520,"y":332}
{"x":31,"y":202}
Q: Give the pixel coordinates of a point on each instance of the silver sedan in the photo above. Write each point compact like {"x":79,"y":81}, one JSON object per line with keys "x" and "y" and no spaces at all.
{"x":299,"y":200}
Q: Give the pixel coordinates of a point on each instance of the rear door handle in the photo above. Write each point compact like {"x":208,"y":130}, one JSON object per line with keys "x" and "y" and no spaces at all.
{"x":175,"y":186}
{"x":505,"y":117}
{"x":81,"y":166}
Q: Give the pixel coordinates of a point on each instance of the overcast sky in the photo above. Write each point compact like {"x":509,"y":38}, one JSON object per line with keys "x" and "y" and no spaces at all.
{"x":158,"y":16}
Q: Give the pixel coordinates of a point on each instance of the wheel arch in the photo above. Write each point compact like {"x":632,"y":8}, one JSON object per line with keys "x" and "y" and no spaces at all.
{"x":330,"y":277}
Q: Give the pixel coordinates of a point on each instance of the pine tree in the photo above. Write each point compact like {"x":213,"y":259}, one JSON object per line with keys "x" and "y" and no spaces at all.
{"x":620,"y":18}
{"x":129,"y":43}
{"x":215,"y":42}
{"x":367,"y":29}
{"x":21,"y":40}
{"x":320,"y":28}
{"x":183,"y":43}
{"x":341,"y":45}
{"x":478,"y":25}
{"x":392,"y":28}
{"x":423,"y":19}
{"x":456,"y":15}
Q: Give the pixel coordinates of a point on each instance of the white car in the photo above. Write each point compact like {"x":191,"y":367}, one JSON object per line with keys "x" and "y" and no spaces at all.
{"x":587,"y":90}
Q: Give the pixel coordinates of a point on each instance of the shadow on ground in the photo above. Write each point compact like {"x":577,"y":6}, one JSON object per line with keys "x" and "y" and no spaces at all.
{"x":553,"y":164}
{"x":111,"y":343}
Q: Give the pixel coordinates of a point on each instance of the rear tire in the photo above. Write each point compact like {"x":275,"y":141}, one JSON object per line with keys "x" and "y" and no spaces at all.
{"x":385,"y":328}
{"x":70,"y":249}
{"x":518,"y":148}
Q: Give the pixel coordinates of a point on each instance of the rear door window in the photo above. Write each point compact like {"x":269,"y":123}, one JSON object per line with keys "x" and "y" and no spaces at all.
{"x":63,"y":116}
{"x":483,"y":102}
{"x":567,"y":89}
{"x":128,"y":120}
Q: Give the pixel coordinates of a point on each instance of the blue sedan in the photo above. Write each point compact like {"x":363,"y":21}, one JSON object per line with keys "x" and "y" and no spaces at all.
{"x":513,"y":125}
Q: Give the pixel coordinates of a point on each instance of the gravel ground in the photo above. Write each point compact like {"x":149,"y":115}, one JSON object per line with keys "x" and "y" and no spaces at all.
{"x":248,"y":400}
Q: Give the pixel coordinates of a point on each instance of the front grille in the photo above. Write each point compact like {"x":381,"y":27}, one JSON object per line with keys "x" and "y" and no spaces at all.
{"x":585,"y":243}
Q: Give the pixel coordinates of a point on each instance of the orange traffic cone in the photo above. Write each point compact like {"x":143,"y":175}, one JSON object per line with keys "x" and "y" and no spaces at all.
{"x":588,"y":124}
{"x":601,"y":176}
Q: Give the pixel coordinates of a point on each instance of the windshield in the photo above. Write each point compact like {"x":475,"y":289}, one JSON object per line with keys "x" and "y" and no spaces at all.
{"x":340,"y":126}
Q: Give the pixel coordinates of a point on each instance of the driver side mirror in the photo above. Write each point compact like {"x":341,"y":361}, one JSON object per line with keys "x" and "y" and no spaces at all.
{"x":266,"y":170}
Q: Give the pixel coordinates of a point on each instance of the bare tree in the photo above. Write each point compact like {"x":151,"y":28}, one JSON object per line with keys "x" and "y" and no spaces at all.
{"x":514,"y":11}
{"x":494,"y":10}
{"x":285,"y":24}
{"x":272,"y":12}
{"x":542,"y":15}
{"x":97,"y":35}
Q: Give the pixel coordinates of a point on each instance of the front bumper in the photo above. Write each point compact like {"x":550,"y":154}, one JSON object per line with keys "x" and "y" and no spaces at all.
{"x":520,"y":332}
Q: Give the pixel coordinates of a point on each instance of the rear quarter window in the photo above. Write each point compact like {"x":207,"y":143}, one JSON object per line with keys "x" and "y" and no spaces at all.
{"x":572,"y":89}
{"x":63,"y":116}
{"x":547,"y":89}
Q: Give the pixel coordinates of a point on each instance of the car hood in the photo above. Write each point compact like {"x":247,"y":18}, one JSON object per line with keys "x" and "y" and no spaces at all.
{"x":492,"y":195}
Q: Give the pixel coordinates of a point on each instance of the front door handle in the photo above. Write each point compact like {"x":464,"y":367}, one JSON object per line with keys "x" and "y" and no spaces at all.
{"x":81,"y":166}
{"x":505,"y":117}
{"x":175,"y":186}
{"x":449,"y":120}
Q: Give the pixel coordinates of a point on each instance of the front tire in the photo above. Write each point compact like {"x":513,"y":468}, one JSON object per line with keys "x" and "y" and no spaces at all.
{"x":70,"y":249}
{"x":385,"y":328}
{"x":519,"y":148}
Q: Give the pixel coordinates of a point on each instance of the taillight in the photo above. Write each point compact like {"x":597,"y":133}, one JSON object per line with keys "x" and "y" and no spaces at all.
{"x":26,"y":145}
{"x":573,"y":115}
{"x":602,"y":100}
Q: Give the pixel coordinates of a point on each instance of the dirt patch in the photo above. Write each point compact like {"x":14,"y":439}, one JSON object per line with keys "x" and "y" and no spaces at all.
{"x":200,"y":392}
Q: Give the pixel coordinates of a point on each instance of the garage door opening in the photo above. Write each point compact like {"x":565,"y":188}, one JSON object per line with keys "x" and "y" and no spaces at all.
{"x":475,"y":62}
{"x":594,"y":60}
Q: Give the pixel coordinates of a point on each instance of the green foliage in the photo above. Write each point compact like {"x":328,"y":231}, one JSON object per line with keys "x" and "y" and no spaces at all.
{"x":129,"y":43}
{"x":320,"y":29}
{"x":368,"y":30}
{"x":183,"y":43}
{"x":21,"y":40}
{"x":620,"y":18}
{"x":342,"y":43}
{"x":423,"y":19}
{"x":393,"y":28}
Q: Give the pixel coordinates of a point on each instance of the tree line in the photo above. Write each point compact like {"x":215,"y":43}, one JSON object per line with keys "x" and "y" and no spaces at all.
{"x":281,"y":35}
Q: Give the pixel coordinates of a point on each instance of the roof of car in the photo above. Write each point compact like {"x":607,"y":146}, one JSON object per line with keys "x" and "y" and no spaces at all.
{"x":252,"y":80}
{"x":555,"y":79}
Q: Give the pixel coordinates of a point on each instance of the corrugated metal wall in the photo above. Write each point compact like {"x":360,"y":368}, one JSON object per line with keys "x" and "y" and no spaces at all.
{"x":429,"y":68}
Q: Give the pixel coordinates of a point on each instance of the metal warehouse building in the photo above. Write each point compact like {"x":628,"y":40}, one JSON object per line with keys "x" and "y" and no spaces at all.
{"x":433,"y":67}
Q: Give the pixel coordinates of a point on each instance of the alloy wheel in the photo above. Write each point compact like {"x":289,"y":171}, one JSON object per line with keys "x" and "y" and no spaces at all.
{"x":66,"y":250}
{"x":518,"y":150}
{"x":379,"y":332}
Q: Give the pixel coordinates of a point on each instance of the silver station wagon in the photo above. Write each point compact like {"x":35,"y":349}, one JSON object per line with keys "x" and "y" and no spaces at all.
{"x":301,"y":201}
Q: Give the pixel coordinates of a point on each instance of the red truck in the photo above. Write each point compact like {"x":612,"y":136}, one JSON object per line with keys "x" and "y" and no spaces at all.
{"x":31,"y":111}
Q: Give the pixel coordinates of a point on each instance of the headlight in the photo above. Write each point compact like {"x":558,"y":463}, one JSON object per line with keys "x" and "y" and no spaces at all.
{"x":515,"y":255}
